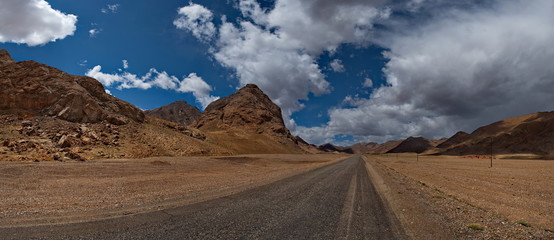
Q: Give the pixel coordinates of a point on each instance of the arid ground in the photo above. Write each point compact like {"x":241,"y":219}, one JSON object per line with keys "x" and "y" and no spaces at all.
{"x":512,"y":200}
{"x":54,"y":192}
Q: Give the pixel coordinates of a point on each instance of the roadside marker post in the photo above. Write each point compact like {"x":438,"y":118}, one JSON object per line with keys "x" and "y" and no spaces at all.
{"x":491,"y":153}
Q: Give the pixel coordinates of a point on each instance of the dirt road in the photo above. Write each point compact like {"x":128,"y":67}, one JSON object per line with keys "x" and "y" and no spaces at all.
{"x":337,"y":201}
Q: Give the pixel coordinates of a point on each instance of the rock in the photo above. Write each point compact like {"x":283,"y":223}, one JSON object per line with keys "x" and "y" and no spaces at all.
{"x":26,"y":123}
{"x":34,"y":88}
{"x":64,"y":142}
{"x":75,"y":156}
{"x":86,"y":140}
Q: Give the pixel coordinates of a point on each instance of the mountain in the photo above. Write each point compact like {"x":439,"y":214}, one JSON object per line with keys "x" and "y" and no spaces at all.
{"x":28,"y":87}
{"x":46,"y":114}
{"x":328,"y":147}
{"x":412,"y":145}
{"x":360,"y":148}
{"x":457,"y":138}
{"x":177,"y":112}
{"x":527,"y":134}
{"x":249,"y":122}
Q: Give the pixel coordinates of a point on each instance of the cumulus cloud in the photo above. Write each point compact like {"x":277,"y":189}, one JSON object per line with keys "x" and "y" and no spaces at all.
{"x":197,"y":19}
{"x":337,"y":66}
{"x":33,"y":22}
{"x":460,"y":70}
{"x":125,"y":64}
{"x":154,"y":78}
{"x":278,"y":48}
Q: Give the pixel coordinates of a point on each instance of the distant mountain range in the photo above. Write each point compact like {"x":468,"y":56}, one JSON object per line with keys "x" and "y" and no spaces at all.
{"x":527,"y":134}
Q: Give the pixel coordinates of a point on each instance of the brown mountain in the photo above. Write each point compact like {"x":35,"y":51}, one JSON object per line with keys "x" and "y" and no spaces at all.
{"x":361,"y":148}
{"x":527,"y":134}
{"x":328,"y":147}
{"x":28,"y":87}
{"x":412,"y":145}
{"x":249,"y":122}
{"x":46,"y":114}
{"x":177,"y":112}
{"x":459,"y":137}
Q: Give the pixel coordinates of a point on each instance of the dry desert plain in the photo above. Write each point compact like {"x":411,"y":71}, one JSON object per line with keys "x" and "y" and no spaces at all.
{"x":512,"y":200}
{"x":434,"y":197}
{"x":60,"y":192}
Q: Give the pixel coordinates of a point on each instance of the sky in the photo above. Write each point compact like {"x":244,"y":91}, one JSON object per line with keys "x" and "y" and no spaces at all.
{"x":341,"y":71}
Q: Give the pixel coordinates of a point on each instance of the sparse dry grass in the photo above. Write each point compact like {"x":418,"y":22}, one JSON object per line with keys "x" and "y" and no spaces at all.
{"x":515,"y":189}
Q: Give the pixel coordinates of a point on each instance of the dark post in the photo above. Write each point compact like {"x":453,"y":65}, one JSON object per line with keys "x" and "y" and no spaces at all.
{"x":417,"y":157}
{"x":491,"y":152}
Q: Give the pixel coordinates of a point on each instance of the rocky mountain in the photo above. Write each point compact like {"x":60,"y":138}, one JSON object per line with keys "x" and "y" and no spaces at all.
{"x":412,"y":145}
{"x":28,"y":87}
{"x":248,"y":109}
{"x":178,"y":112}
{"x":527,"y":134}
{"x":46,"y":114}
{"x":249,"y":121}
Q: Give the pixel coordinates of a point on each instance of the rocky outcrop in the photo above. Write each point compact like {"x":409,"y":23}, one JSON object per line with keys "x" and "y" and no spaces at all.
{"x":412,"y":145}
{"x":33,"y":88}
{"x":5,"y":57}
{"x":249,"y":109}
{"x":178,"y":112}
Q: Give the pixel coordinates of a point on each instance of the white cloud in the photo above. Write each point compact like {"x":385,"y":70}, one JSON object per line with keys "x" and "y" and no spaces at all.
{"x":190,"y":84}
{"x":198,"y":20}
{"x":125,"y":64}
{"x":337,"y":66}
{"x":110,"y":8}
{"x":33,"y":22}
{"x":460,"y":70}
{"x":368,"y":83}
{"x":93,"y":32}
{"x":199,"y":88}
{"x":278,"y":48}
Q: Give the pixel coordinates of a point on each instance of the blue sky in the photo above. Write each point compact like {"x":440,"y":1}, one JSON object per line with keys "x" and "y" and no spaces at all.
{"x":342,"y":71}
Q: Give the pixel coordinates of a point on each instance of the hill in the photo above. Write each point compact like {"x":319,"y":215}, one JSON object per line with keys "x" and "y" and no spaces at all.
{"x":527,"y":134}
{"x":412,"y":145}
{"x":249,"y":122}
{"x":178,"y":112}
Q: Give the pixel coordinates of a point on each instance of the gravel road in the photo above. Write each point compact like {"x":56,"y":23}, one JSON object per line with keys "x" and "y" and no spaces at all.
{"x":337,"y":201}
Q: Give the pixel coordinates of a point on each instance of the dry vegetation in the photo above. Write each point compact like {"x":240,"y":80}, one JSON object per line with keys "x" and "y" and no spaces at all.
{"x":54,"y":192}
{"x":518,"y":190}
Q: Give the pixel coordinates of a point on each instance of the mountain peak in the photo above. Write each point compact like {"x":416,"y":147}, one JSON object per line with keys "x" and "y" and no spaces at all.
{"x":412,"y":144}
{"x":5,"y":57}
{"x":247,"y":109}
{"x":178,"y":112}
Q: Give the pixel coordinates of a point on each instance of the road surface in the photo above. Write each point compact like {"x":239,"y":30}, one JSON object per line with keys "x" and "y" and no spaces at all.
{"x":337,"y":201}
